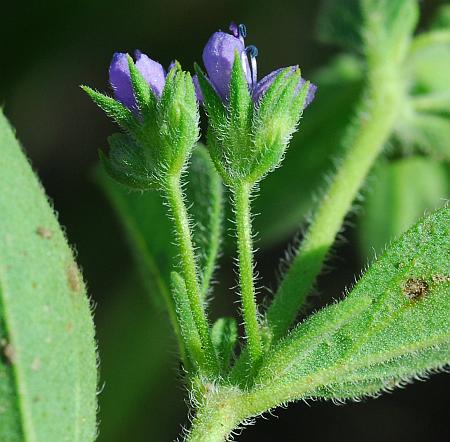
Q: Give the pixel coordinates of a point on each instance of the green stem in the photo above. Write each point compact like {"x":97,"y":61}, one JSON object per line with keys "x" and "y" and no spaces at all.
{"x":216,"y":418}
{"x":227,"y":408}
{"x":365,"y":140}
{"x":175,"y":200}
{"x":245,"y":250}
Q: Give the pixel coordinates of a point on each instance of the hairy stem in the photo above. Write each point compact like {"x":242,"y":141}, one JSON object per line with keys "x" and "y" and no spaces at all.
{"x":175,"y":201}
{"x":216,"y":418}
{"x":245,"y":251}
{"x":365,"y":140}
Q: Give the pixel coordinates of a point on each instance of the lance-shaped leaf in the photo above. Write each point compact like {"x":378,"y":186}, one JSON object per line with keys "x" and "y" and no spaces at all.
{"x":224,"y":335}
{"x":392,"y":327}
{"x":139,"y":213}
{"x":48,"y":368}
{"x":191,"y":340}
{"x":204,"y":194}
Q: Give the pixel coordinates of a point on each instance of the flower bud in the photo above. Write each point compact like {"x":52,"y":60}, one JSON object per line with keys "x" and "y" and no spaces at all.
{"x":158,"y":113}
{"x":250,"y":122}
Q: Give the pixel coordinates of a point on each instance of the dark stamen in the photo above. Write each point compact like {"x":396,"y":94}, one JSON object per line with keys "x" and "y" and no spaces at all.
{"x":242,"y":31}
{"x":252,"y":51}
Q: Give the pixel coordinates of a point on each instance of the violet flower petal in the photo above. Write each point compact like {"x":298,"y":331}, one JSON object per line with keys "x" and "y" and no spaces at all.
{"x":311,"y":94}
{"x":171,"y":66}
{"x":152,"y":72}
{"x":119,"y":78}
{"x":218,"y":57}
{"x":198,"y":90}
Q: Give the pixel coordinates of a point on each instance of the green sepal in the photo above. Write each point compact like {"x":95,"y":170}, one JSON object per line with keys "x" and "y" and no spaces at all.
{"x":275,"y":122}
{"x":213,"y":103}
{"x":114,"y":109}
{"x":177,"y":120}
{"x":249,"y":139}
{"x":224,"y":335}
{"x":126,"y":163}
{"x":230,"y":140}
{"x":240,"y":107}
{"x":145,"y":98}
{"x":161,"y":132}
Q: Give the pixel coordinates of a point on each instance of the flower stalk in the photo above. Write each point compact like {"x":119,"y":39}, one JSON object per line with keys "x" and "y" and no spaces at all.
{"x":242,"y":193}
{"x":174,"y":197}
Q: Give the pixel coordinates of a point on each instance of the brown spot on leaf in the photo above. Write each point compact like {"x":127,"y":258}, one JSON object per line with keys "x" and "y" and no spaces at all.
{"x":36,"y":364}
{"x":73,"y":277}
{"x":415,"y":288}
{"x":441,"y":278}
{"x":9,"y":352}
{"x":44,"y":232}
{"x":69,"y":327}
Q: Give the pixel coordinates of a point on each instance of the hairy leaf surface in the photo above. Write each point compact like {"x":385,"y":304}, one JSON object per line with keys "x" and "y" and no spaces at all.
{"x":48,"y":372}
{"x":144,"y":214}
{"x":393,"y":326}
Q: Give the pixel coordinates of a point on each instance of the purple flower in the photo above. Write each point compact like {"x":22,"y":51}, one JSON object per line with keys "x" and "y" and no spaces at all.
{"x":218,"y":58}
{"x":119,"y":77}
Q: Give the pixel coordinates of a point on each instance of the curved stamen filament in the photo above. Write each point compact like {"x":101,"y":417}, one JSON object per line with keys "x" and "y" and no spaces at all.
{"x":252,"y":52}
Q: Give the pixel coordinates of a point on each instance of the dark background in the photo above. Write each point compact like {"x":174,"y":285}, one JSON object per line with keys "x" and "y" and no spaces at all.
{"x":47,"y":50}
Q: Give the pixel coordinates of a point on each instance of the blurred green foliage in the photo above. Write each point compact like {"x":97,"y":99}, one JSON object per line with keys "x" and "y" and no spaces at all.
{"x":56,"y":46}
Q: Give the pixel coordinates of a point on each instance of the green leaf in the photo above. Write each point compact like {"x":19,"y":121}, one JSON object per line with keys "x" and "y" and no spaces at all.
{"x":384,"y":25}
{"x":188,"y":329}
{"x":205,"y":194}
{"x":224,"y":335}
{"x":48,"y":372}
{"x":139,"y":214}
{"x":400,"y":192}
{"x":177,"y":121}
{"x":427,"y":133}
{"x":427,"y":62}
{"x":392,"y":327}
{"x":143,"y":214}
